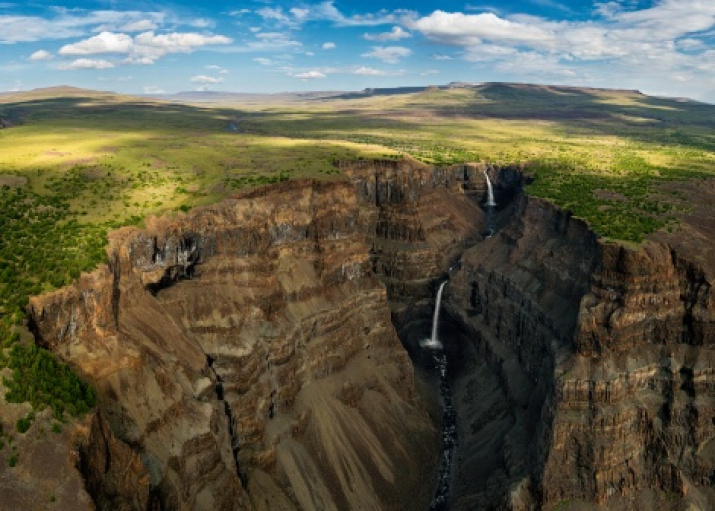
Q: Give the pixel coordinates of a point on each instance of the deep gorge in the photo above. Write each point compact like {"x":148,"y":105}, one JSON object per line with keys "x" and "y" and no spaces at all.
{"x":254,"y":354}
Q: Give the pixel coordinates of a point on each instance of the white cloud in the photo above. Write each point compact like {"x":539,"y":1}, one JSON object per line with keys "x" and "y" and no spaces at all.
{"x":264,"y":61}
{"x":41,"y":55}
{"x":106,"y":42}
{"x":69,"y":23}
{"x":151,"y":89}
{"x":139,"y":26}
{"x":329,"y":46}
{"x":201,"y":23}
{"x":369,"y":71}
{"x":310,"y":75}
{"x":429,"y":72}
{"x":621,"y":45}
{"x":395,"y":34}
{"x":300,"y":14}
{"x":272,"y":41}
{"x":178,"y":42}
{"x":469,"y":29}
{"x":327,"y":11}
{"x":488,"y":52}
{"x":203,"y":79}
{"x":275,"y":14}
{"x":86,"y":64}
{"x":389,"y":54}
{"x":144,"y":48}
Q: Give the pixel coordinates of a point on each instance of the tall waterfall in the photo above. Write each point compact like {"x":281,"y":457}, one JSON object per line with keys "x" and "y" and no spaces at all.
{"x":440,"y":500}
{"x":434,"y":342}
{"x":490,"y":191}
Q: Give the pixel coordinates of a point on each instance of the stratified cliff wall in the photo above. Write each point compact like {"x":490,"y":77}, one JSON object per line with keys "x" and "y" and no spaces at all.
{"x":245,"y":352}
{"x":588,"y":373}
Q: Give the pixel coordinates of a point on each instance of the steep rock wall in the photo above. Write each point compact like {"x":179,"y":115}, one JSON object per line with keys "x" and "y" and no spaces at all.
{"x":588,"y":370}
{"x":245,"y":352}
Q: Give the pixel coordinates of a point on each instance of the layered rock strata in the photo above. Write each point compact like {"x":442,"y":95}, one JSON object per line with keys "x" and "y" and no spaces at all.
{"x":245,"y":354}
{"x":589,"y":374}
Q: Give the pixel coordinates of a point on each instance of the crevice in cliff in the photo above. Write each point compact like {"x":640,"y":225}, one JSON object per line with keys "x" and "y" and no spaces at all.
{"x":186,"y":255}
{"x":231,"y":420}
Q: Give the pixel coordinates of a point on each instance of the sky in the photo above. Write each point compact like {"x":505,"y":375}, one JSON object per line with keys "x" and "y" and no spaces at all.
{"x":660,"y":47}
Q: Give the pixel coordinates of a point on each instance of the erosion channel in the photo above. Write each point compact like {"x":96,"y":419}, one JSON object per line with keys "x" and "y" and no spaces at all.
{"x":268,"y":353}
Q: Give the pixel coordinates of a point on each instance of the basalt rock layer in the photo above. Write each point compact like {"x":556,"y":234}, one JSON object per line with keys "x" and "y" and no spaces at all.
{"x":589,"y":371}
{"x":244,"y":355}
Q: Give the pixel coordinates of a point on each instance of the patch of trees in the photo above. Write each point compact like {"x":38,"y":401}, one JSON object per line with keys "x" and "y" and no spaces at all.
{"x":40,"y":379}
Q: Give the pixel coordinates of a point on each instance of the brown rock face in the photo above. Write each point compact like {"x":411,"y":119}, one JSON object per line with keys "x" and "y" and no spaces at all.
{"x":245,"y":352}
{"x":588,"y":373}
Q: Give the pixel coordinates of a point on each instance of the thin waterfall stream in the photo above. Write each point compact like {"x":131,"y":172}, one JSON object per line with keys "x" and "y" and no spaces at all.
{"x":490,"y":191}
{"x":490,"y":205}
{"x":449,"y":417}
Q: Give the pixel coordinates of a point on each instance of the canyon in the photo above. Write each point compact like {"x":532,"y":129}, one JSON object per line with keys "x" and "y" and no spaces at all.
{"x":264,"y":352}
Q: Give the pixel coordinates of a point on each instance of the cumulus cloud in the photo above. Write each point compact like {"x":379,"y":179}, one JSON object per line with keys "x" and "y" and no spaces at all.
{"x":310,"y":75}
{"x":204,"y":80}
{"x":106,"y":42}
{"x":86,"y":64}
{"x":329,"y":46}
{"x":621,"y":45}
{"x":389,"y":54}
{"x":176,"y":42}
{"x":40,"y":55}
{"x":469,"y":29}
{"x":395,"y":34}
{"x":144,"y":48}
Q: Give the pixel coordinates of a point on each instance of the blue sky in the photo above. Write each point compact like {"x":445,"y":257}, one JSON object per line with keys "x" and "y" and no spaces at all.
{"x":662,"y":47}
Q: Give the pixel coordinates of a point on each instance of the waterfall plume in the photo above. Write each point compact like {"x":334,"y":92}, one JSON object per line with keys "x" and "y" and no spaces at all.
{"x":490,"y":191}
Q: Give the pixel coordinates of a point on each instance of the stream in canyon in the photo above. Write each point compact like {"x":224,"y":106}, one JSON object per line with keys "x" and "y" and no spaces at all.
{"x":449,"y":417}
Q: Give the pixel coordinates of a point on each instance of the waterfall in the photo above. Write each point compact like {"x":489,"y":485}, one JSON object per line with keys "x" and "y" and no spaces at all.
{"x":490,"y":191}
{"x":433,"y":342}
{"x":440,"y":500}
{"x":435,"y":316}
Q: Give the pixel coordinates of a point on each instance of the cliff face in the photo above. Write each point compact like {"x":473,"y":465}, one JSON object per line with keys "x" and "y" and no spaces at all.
{"x":245,"y":354}
{"x":588,"y":373}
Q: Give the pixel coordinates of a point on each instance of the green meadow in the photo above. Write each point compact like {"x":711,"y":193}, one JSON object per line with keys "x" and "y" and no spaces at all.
{"x":75,"y":164}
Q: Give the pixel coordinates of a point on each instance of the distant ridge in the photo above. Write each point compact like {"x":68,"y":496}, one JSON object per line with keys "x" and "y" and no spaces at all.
{"x":218,"y":97}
